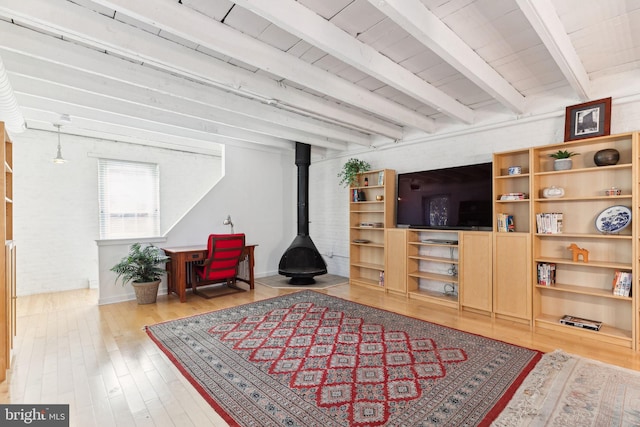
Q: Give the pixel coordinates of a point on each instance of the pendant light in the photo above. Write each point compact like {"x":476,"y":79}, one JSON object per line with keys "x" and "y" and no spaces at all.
{"x":64,"y":120}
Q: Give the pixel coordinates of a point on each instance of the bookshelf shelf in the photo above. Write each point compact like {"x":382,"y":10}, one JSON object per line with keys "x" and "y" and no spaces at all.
{"x":582,"y":290}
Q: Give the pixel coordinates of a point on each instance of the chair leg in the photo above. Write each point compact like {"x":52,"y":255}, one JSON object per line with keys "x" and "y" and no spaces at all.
{"x":231,"y":284}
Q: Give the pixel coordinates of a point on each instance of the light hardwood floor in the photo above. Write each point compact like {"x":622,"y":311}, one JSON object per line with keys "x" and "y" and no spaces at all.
{"x":99,"y":360}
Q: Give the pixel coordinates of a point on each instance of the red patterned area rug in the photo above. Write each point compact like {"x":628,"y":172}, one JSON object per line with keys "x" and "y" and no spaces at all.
{"x":309,"y":359}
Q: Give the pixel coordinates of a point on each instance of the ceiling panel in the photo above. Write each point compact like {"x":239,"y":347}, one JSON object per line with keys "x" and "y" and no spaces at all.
{"x":405,"y":66}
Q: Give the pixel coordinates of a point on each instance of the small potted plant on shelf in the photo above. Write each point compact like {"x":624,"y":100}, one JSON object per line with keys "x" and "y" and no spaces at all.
{"x":142,"y":268}
{"x":350,"y":170}
{"x":563,"y":159}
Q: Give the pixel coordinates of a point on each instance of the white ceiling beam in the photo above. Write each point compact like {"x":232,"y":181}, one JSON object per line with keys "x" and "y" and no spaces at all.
{"x":97,"y":107}
{"x":542,"y":16}
{"x":196,"y":104}
{"x":43,"y":120}
{"x":193,"y":26}
{"x":107,"y":123}
{"x":77,"y":23}
{"x":417,"y":20}
{"x":311,"y":27}
{"x":83,"y":90}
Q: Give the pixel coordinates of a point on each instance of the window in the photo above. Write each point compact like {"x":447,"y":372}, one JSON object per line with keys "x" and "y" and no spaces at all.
{"x":129,"y":199}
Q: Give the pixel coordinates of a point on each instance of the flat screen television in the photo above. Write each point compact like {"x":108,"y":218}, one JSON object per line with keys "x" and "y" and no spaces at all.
{"x":458,"y":198}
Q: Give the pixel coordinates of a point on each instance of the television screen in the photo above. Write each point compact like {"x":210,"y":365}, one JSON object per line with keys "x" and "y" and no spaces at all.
{"x":453,"y":198}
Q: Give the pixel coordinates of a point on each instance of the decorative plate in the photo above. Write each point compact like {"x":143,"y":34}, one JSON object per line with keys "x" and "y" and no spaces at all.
{"x":613,"y":219}
{"x":361,"y":241}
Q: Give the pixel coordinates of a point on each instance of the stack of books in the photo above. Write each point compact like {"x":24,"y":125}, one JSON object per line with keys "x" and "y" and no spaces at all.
{"x":505,"y":223}
{"x":546,"y":274}
{"x":549,"y":222}
{"x":622,"y":283}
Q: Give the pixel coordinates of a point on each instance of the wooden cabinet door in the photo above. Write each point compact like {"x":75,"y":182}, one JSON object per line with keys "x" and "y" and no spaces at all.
{"x":395,"y":276}
{"x":475,"y":270}
{"x":512,"y":276}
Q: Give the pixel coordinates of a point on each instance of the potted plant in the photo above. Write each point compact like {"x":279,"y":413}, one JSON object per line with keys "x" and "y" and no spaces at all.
{"x":142,"y":268}
{"x":563,"y":159}
{"x":350,"y":170}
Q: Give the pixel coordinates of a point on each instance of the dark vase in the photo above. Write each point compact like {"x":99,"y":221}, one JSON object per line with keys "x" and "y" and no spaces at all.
{"x":606,"y":157}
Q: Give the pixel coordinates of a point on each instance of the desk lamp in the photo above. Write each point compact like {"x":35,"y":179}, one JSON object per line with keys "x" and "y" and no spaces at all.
{"x":228,"y":222}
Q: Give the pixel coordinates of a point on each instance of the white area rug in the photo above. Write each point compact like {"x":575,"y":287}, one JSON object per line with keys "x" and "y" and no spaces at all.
{"x":322,"y":282}
{"x":569,"y":390}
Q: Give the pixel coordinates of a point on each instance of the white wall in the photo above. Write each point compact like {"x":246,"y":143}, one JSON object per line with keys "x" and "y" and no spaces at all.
{"x":257,"y":190}
{"x":328,"y":202}
{"x":56,"y":206}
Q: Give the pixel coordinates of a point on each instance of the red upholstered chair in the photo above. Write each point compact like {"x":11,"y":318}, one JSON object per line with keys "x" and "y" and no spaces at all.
{"x":224,"y":252}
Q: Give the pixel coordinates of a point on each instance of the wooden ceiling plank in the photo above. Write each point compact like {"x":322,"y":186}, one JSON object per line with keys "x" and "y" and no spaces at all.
{"x":117,"y":37}
{"x":415,"y":18}
{"x":545,"y":21}
{"x":307,"y":25}
{"x":195,"y":27}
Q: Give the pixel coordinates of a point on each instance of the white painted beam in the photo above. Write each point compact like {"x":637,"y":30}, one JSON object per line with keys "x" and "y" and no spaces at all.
{"x":542,"y":15}
{"x":417,"y":20}
{"x":197,"y":104}
{"x":190,"y":25}
{"x":309,"y":26}
{"x":77,"y":23}
{"x":83,"y":104}
{"x":43,"y":120}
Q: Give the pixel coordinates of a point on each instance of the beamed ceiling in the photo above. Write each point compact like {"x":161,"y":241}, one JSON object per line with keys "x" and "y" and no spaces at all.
{"x":336,"y":74}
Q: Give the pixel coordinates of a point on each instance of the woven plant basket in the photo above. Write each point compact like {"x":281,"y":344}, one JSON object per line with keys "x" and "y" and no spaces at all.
{"x":147,"y":292}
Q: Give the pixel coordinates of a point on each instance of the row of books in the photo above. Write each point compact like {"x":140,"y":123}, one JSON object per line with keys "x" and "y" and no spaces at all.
{"x":505,"y":223}
{"x":549,"y":222}
{"x":546,"y":274}
{"x":622,"y":283}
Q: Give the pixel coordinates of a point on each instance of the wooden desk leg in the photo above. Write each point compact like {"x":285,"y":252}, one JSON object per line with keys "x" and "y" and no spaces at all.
{"x":251,"y":264}
{"x":181,"y":277}
{"x":171,"y":274}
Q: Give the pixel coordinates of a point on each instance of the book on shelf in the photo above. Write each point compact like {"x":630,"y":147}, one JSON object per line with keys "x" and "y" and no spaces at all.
{"x":513,"y":196}
{"x":381,"y":280}
{"x":622,"y":283}
{"x":578,"y":322}
{"x":506,"y":223}
{"x":546,"y":274}
{"x":549,"y":222}
{"x":381,"y":178}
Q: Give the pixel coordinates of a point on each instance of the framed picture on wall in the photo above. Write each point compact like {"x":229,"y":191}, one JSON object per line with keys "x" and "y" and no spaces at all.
{"x":588,"y":120}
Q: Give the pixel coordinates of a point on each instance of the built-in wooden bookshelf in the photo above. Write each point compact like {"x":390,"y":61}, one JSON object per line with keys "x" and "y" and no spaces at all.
{"x":583,"y":287}
{"x":371,"y":210}
{"x":7,"y":260}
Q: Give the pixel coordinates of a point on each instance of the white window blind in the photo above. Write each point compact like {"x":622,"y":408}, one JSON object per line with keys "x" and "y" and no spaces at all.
{"x":129,"y":197}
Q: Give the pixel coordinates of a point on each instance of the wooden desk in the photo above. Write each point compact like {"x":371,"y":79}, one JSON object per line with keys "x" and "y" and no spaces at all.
{"x":179,"y":268}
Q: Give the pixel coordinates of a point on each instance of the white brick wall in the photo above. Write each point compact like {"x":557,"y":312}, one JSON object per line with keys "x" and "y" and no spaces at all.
{"x":56,"y":206}
{"x":328,"y":203}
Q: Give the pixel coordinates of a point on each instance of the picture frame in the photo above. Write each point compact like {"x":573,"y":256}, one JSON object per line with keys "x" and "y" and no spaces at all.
{"x":588,"y":120}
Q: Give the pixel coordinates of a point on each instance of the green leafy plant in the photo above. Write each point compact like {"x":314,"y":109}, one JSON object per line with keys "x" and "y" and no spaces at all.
{"x":350,"y":170}
{"x":141,"y":265}
{"x":563,"y":154}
